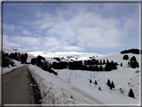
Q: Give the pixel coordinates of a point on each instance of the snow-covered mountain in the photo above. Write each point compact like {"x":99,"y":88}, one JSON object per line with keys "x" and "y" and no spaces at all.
{"x":65,"y":56}
{"x":11,"y":50}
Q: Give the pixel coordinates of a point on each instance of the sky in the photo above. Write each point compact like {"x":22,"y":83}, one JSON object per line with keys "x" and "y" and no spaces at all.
{"x":101,"y":28}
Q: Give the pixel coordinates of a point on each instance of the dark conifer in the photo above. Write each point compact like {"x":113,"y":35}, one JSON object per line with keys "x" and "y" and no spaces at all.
{"x":95,"y":83}
{"x":112,"y":84}
{"x":101,"y":68}
{"x":104,"y":62}
{"x":90,"y":81}
{"x":131,"y":93}
{"x":100,"y":62}
{"x":108,"y":82}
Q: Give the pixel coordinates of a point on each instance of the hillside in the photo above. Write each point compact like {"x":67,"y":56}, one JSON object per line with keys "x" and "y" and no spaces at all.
{"x":124,"y":77}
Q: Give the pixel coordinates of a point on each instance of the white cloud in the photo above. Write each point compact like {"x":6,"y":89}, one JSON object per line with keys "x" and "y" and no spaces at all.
{"x":73,"y":48}
{"x":8,"y":27}
{"x":29,"y":41}
{"x":76,"y":28}
{"x":8,"y":42}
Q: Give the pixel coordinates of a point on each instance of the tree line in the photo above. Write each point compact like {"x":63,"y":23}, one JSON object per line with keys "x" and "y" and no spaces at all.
{"x":7,"y":59}
{"x":91,"y":65}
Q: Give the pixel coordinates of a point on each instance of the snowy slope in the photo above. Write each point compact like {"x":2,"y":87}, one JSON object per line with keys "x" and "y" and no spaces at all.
{"x":10,"y":50}
{"x":124,"y":77}
{"x":54,"y":90}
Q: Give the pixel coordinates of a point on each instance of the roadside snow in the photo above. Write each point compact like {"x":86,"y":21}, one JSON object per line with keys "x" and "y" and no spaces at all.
{"x":6,"y":70}
{"x":54,"y":90}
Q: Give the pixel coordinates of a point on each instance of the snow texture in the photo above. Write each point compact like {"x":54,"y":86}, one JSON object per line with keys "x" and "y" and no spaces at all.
{"x":52,"y":90}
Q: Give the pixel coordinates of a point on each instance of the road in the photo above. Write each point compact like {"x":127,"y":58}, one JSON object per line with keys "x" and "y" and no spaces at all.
{"x":17,"y":87}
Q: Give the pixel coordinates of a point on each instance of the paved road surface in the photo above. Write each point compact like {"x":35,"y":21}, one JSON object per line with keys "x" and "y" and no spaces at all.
{"x":16,"y":88}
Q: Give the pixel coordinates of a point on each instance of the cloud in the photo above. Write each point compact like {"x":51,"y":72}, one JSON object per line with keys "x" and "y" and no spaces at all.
{"x":8,"y":27}
{"x":8,"y":42}
{"x":27,"y":41}
{"x":73,"y":48}
{"x":77,"y":27}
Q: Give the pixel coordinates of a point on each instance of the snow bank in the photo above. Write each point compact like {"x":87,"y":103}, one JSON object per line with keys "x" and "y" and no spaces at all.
{"x":52,"y":91}
{"x":6,"y":70}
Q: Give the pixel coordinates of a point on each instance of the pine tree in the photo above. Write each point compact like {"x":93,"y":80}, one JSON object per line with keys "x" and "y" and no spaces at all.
{"x":131,"y":93}
{"x":104,"y":62}
{"x":112,"y":84}
{"x":100,"y":62}
{"x":121,"y":64}
{"x":101,"y":68}
{"x":108,"y":82}
{"x":90,"y":81}
{"x":95,"y":83}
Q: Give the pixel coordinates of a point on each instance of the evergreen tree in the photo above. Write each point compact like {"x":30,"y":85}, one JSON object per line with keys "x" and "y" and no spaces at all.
{"x":95,"y":83}
{"x":108,"y":67}
{"x":90,"y":81}
{"x":100,"y":62}
{"x":131,"y":93}
{"x":101,"y":68}
{"x":107,"y":61}
{"x":121,"y":64}
{"x":112,"y":84}
{"x":104,"y":62}
{"x":108,"y":82}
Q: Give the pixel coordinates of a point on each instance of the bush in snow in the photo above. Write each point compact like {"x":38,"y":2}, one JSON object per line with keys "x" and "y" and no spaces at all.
{"x":121,"y":64}
{"x":33,"y":61}
{"x":125,"y":57}
{"x":121,"y":91}
{"x":131,"y":93}
{"x":133,"y":62}
{"x":6,"y":61}
{"x":58,"y":59}
{"x":100,"y":89}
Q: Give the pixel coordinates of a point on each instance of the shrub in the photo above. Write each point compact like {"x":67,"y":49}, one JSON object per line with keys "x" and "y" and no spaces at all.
{"x":125,"y":57}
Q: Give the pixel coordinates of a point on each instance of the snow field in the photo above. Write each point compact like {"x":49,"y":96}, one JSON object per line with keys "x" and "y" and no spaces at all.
{"x":52,"y":90}
{"x":120,"y":77}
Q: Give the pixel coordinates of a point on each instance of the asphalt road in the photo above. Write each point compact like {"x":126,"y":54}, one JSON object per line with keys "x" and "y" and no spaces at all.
{"x":18,"y":87}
